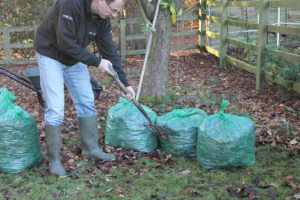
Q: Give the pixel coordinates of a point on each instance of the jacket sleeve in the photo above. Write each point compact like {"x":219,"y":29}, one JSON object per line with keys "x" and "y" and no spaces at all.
{"x":66,"y":35}
{"x":108,"y":50}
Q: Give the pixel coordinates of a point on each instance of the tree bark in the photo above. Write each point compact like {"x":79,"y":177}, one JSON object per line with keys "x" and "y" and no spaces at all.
{"x":156,"y":76}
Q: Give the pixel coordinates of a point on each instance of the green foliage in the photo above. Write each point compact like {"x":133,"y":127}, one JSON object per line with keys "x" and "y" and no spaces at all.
{"x":146,"y":28}
{"x":171,"y":6}
{"x":281,"y":68}
{"x":278,"y":67}
{"x":216,"y":81}
{"x":106,"y":81}
{"x":294,"y":37}
{"x":147,"y":99}
{"x":210,"y":98}
{"x":173,"y":95}
{"x":170,"y":98}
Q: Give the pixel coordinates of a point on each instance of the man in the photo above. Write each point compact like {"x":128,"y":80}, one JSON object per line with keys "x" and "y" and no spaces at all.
{"x":60,"y":43}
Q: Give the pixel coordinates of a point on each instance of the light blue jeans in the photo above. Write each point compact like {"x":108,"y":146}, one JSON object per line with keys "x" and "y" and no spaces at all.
{"x":53,"y":76}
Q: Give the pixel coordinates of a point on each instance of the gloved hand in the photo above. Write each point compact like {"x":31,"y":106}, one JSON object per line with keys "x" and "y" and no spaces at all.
{"x":105,"y":66}
{"x":130,"y":93}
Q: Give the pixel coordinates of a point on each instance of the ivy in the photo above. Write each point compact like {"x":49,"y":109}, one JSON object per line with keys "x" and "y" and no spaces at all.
{"x":281,"y":68}
{"x":171,"y":6}
{"x":276,"y":66}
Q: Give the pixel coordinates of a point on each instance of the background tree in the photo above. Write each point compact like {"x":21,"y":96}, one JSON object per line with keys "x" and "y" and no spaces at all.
{"x":156,"y":76}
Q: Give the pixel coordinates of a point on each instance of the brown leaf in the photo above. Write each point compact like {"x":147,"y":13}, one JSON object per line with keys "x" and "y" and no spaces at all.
{"x":292,"y":185}
{"x":241,"y":192}
{"x":120,"y":191}
{"x":297,"y":196}
{"x":260,"y":183}
{"x":144,"y":170}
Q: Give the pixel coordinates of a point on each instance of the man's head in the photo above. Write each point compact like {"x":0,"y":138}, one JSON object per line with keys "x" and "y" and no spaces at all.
{"x":107,"y":8}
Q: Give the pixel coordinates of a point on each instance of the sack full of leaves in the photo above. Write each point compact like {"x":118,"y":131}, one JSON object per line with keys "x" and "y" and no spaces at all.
{"x":226,"y":140}
{"x":183,"y":124}
{"x":19,"y":140}
{"x":125,"y":127}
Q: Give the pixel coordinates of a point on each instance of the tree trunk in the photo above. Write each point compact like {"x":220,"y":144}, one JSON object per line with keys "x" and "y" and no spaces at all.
{"x":156,"y":76}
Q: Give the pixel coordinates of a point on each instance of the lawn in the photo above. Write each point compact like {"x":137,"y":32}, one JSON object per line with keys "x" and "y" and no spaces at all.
{"x":274,"y":176}
{"x":196,"y":81}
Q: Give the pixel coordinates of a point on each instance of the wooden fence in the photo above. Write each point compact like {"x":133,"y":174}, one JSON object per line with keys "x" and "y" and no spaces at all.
{"x":262,"y":28}
{"x":121,"y":37}
{"x":203,"y":33}
{"x":8,"y":47}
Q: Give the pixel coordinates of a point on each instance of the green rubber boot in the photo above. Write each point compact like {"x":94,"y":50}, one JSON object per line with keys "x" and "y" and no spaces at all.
{"x":89,"y":137}
{"x":53,"y":139}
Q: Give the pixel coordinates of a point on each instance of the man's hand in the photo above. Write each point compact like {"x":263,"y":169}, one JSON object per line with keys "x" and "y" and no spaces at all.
{"x":105,"y":66}
{"x":130,"y":93}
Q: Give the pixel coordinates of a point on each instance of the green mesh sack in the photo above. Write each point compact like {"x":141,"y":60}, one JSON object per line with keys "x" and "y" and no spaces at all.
{"x":19,"y":141}
{"x":226,"y":140}
{"x":125,"y":127}
{"x":184,"y":124}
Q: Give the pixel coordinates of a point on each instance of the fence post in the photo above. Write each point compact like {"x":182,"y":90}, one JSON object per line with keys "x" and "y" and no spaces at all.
{"x":122,"y":39}
{"x":261,"y":42}
{"x":224,"y":32}
{"x":202,"y":25}
{"x":7,"y":50}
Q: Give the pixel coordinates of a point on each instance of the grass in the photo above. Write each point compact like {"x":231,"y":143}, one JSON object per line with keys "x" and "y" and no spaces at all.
{"x":170,"y":98}
{"x":180,"y":178}
{"x":275,"y":176}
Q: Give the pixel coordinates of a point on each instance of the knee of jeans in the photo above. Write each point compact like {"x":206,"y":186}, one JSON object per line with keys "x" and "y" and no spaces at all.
{"x":54,"y":119}
{"x":86,"y":110}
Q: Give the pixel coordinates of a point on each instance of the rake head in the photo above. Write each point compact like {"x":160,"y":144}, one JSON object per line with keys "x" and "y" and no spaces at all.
{"x":162,"y":131}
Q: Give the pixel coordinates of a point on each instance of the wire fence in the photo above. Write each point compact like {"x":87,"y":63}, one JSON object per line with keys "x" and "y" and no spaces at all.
{"x":289,"y":17}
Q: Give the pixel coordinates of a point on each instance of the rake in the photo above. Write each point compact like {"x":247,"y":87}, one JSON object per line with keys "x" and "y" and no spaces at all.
{"x":162,"y":131}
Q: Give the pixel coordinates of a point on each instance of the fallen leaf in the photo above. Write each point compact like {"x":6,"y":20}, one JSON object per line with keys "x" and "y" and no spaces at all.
{"x":108,"y":190}
{"x":289,"y":177}
{"x":297,"y":196}
{"x":144,"y":170}
{"x":241,"y":192}
{"x":119,"y":191}
{"x":293,"y":142}
{"x":260,"y":183}
{"x":276,"y":185}
{"x":292,"y":185}
{"x":185,"y":172}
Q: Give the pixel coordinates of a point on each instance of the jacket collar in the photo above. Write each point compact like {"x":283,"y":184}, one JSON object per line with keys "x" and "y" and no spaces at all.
{"x":88,"y":10}
{"x":87,"y":5}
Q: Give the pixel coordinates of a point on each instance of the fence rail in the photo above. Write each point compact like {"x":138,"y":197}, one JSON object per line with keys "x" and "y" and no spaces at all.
{"x":7,"y":46}
{"x":262,"y":28}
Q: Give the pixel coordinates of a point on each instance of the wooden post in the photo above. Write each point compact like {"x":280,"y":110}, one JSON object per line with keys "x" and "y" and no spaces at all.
{"x":122,"y":39}
{"x":261,"y":42}
{"x":202,"y":25}
{"x":7,"y":50}
{"x":224,"y":32}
